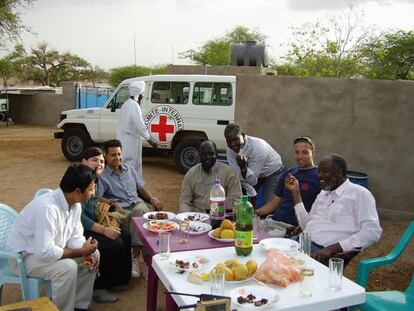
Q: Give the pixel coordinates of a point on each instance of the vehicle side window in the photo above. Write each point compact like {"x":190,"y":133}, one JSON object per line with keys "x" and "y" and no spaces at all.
{"x":170,"y":92}
{"x":215,"y":94}
{"x":119,"y":98}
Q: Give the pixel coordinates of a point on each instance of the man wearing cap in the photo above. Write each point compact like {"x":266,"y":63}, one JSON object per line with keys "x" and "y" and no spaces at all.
{"x":131,"y":128}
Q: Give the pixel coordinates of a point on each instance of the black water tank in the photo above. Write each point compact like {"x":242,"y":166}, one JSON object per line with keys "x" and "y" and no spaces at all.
{"x":250,"y":53}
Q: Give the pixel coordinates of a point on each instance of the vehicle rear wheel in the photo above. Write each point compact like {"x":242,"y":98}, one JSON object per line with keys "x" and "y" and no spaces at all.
{"x":74,"y":143}
{"x":186,"y":155}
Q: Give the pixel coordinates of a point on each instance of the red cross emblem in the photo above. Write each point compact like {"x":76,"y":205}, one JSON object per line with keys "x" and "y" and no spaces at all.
{"x":162,"y":128}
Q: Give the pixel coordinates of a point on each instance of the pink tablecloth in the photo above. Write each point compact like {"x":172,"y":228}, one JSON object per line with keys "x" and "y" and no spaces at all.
{"x":150,"y":241}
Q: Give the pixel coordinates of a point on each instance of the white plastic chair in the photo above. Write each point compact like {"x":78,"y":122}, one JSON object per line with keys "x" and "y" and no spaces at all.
{"x":30,"y":286}
{"x":42,"y":191}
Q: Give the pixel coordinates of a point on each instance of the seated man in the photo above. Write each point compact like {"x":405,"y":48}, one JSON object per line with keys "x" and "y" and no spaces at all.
{"x":254,"y":161}
{"x":197,"y":183}
{"x":122,"y":186}
{"x":306,"y":174}
{"x":343,"y":218}
{"x":49,"y":235}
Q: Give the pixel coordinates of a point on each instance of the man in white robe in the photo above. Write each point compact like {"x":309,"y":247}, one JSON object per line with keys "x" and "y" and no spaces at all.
{"x":131,"y":128}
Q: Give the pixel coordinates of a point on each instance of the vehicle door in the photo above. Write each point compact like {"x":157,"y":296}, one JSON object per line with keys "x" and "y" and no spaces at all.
{"x":165,"y":109}
{"x":110,"y":113}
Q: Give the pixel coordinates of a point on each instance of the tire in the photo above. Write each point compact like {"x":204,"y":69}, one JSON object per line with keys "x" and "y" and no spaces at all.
{"x":74,"y":143}
{"x":186,"y":155}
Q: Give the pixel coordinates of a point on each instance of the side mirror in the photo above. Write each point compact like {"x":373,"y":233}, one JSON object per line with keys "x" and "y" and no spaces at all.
{"x":113,"y":107}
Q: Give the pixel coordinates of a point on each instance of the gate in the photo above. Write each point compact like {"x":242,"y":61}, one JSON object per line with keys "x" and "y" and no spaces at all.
{"x":89,"y":96}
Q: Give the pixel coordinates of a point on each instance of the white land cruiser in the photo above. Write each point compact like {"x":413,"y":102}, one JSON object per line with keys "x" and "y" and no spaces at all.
{"x":180,"y":112}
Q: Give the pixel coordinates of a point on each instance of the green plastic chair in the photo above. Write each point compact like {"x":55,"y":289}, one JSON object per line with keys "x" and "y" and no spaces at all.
{"x":387,"y":300}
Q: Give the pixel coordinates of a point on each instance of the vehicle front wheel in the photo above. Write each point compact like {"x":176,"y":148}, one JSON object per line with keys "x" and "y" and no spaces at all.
{"x":74,"y":143}
{"x":186,"y":155}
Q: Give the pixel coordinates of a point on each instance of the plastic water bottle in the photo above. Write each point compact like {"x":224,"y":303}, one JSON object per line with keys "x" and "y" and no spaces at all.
{"x":243,"y":240}
{"x":217,"y":201}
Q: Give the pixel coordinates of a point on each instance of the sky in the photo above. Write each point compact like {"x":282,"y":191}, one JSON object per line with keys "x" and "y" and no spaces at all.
{"x":103,"y":31}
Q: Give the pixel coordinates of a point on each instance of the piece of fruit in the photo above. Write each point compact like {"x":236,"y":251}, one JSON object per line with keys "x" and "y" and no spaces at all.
{"x":220,"y":266}
{"x":231,"y":263}
{"x":228,"y":274}
{"x":240,"y":272}
{"x":204,"y":276}
{"x":226,"y":224}
{"x":251,"y":266}
{"x":227,"y":234}
{"x":217,"y":233}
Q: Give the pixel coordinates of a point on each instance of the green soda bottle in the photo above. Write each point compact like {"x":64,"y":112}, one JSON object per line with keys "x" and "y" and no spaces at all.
{"x":243,"y":240}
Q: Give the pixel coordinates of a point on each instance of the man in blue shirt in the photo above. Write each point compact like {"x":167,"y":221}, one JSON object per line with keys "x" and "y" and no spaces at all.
{"x":122,"y":186}
{"x":307,"y":175}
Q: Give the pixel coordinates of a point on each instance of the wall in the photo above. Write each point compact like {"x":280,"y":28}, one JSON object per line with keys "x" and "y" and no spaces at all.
{"x":41,"y":108}
{"x":369,"y":122}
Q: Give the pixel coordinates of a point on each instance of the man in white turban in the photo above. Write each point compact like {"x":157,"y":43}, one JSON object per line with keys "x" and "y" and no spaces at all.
{"x":131,"y":128}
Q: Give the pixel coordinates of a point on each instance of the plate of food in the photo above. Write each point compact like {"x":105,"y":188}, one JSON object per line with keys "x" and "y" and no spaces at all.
{"x":187,"y":263}
{"x":192,"y":216}
{"x":254,"y":297}
{"x":198,"y":227}
{"x":159,"y":216}
{"x":160,"y":225}
{"x":221,"y":238}
{"x":286,"y":245}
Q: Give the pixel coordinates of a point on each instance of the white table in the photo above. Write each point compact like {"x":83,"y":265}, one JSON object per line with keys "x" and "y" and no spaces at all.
{"x":322,"y":298}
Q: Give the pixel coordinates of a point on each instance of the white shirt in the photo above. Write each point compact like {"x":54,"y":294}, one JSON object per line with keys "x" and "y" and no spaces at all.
{"x":46,"y":226}
{"x":262,"y":159}
{"x":131,"y":122}
{"x":347,"y":216}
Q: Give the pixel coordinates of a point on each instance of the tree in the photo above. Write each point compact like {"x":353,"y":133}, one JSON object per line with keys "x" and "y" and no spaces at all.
{"x":10,"y":19}
{"x":117,"y":75}
{"x":49,"y":67}
{"x":390,"y":56}
{"x":94,"y":74}
{"x":216,"y":52}
{"x":12,"y":64}
{"x":329,"y":48}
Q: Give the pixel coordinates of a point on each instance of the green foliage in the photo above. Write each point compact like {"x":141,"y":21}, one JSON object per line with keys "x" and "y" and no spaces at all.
{"x":328,"y":48}
{"x":94,"y":74}
{"x":390,"y":56}
{"x":12,"y":65}
{"x":49,"y":67}
{"x":216,"y":52}
{"x":117,"y":75}
{"x":10,"y":19}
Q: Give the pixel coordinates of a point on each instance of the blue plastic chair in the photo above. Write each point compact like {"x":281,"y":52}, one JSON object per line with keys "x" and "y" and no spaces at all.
{"x":42,"y":191}
{"x":30,"y":286}
{"x":387,"y":300}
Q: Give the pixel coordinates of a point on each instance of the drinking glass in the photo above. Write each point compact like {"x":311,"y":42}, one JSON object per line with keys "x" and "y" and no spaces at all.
{"x":217,"y":282}
{"x":185,"y":228}
{"x":256,"y":225}
{"x":164,"y":244}
{"x":305,"y":242}
{"x":306,"y":281}
{"x":336,"y":270}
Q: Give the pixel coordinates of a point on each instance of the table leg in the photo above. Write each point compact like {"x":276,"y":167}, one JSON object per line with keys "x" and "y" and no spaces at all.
{"x":170,"y":304}
{"x":152,"y":289}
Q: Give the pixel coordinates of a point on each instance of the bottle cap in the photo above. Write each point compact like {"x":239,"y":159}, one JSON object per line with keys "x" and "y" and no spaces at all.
{"x":217,"y":181}
{"x":245,"y":199}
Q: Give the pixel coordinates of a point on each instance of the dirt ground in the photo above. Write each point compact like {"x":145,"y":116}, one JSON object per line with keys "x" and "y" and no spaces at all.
{"x":31,"y":159}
